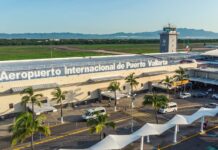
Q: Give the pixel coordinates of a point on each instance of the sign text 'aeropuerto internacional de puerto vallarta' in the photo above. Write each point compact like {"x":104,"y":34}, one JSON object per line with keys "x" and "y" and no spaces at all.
{"x":76,"y":70}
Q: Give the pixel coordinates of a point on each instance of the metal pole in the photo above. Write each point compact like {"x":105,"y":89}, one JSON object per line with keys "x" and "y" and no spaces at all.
{"x":202,"y":125}
{"x":132,"y":103}
{"x":132,"y":120}
{"x":175,"y":134}
{"x":51,"y":53}
{"x":142,"y":143}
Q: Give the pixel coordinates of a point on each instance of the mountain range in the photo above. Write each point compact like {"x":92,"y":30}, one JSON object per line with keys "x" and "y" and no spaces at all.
{"x":183,"y":33}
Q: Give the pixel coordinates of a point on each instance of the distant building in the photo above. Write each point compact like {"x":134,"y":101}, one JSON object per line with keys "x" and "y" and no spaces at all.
{"x":168,"y":39}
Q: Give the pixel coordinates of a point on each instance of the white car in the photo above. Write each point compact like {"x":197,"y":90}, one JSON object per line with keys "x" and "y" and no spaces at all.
{"x":171,"y":107}
{"x":92,"y":113}
{"x":212,"y":105}
{"x":215,"y":96}
{"x":184,"y":95}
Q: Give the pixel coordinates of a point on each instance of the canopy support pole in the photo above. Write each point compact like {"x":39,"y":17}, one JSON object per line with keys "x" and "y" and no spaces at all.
{"x":148,"y":139}
{"x":175,"y":134}
{"x":202,"y":125}
{"x":142,"y":143}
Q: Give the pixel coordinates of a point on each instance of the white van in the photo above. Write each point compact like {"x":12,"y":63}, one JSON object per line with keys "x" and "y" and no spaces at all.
{"x":171,"y":107}
{"x":92,"y":113}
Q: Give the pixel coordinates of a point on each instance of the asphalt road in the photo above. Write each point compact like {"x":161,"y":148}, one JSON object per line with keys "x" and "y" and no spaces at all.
{"x":78,"y":140}
{"x":74,"y":134}
{"x":209,"y":141}
{"x":67,"y":139}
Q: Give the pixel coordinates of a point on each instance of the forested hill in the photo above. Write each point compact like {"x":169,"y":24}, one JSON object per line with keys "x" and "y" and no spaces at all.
{"x":184,"y":33}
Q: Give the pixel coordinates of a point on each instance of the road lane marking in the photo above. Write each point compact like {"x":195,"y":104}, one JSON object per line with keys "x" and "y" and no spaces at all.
{"x":187,"y":138}
{"x":66,"y":134}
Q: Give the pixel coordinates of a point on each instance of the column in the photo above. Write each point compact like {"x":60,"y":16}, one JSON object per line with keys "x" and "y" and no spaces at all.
{"x":202,"y":125}
{"x":142,"y":143}
{"x":175,"y":134}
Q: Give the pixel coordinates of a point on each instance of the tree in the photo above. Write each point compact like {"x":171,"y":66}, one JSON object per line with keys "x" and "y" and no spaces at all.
{"x":25,"y":126}
{"x":98,"y":124}
{"x":59,"y":96}
{"x":168,"y":82}
{"x":131,"y":80}
{"x":181,"y":75}
{"x":114,"y":86}
{"x":157,"y":101}
{"x":30,"y":97}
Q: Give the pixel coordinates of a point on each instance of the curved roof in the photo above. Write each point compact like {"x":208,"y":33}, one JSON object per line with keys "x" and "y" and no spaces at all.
{"x":211,"y":53}
{"x":37,"y":64}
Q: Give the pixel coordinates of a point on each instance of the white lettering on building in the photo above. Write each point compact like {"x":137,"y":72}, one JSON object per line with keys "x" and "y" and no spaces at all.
{"x":75,"y":70}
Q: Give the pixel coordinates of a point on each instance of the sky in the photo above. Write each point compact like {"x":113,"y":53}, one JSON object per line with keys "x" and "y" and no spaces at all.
{"x":105,"y":16}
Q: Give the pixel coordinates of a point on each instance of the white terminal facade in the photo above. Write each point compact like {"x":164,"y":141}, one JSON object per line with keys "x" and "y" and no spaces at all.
{"x":85,"y":77}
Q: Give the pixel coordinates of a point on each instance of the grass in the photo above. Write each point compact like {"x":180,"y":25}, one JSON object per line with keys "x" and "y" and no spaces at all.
{"x":37,"y":52}
{"x":128,"y":48}
{"x":134,"y":48}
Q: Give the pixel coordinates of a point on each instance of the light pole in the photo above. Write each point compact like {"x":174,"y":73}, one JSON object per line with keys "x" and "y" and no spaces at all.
{"x":132,"y":99}
{"x":51,"y":53}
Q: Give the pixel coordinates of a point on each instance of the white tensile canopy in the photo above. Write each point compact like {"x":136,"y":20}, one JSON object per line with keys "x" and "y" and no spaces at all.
{"x":114,"y":142}
{"x":45,"y":107}
{"x":120,"y":141}
{"x":152,"y":129}
{"x":189,"y":119}
{"x":213,"y":53}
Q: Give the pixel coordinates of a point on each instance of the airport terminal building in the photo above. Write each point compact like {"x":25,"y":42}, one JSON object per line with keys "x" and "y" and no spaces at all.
{"x":207,"y":71}
{"x":83,"y":77}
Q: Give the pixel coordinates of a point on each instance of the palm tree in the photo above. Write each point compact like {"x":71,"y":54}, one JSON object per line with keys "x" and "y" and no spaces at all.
{"x":114,"y":86}
{"x":30,"y":97}
{"x":59,"y":96}
{"x":157,"y":101}
{"x":168,"y":82}
{"x":131,"y":80}
{"x":25,"y":126}
{"x":98,"y":124}
{"x":181,"y":75}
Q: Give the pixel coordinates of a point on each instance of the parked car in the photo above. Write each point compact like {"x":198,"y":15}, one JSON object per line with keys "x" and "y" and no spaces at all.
{"x":210,"y":90}
{"x":184,"y":95}
{"x":212,"y":105}
{"x":92,"y":113}
{"x":200,"y":94}
{"x":214,"y":96}
{"x":171,"y":107}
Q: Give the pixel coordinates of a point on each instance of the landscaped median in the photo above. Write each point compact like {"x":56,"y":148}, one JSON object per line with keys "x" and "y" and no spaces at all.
{"x":69,"y":133}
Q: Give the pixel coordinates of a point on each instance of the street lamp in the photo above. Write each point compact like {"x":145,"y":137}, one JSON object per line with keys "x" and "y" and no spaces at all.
{"x":132,"y":99}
